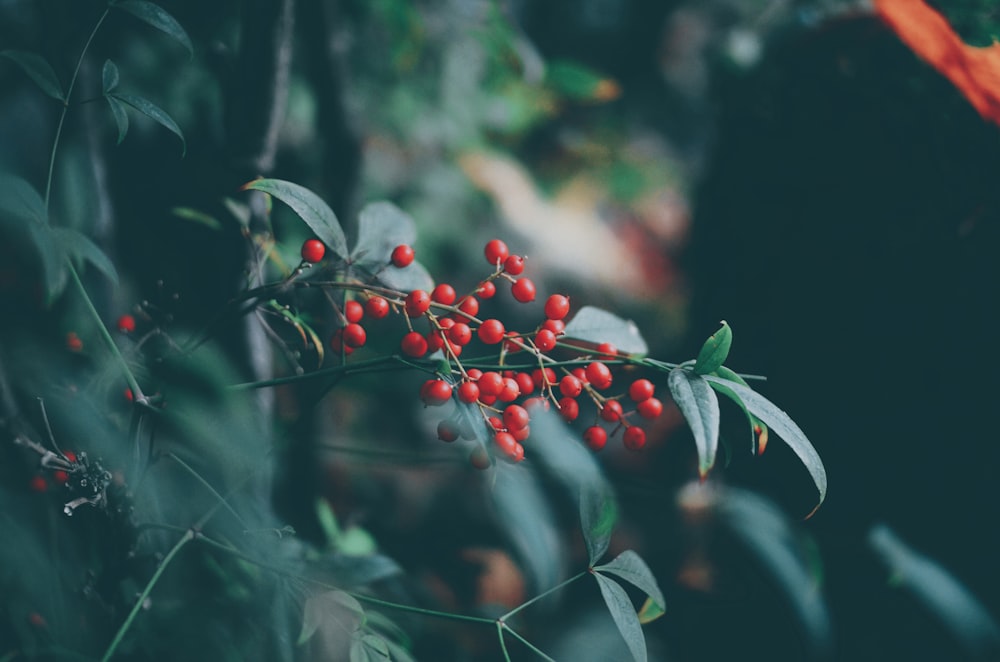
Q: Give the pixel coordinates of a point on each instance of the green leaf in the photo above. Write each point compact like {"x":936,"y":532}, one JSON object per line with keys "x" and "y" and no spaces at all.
{"x":757,"y":444}
{"x":578,"y":82}
{"x":39,"y":70}
{"x":21,"y":201}
{"x":624,"y":616}
{"x":595,"y":325}
{"x":598,"y":515}
{"x":121,"y":117}
{"x":54,"y":271}
{"x":715,"y":350}
{"x":155,"y":113}
{"x":328,"y":522}
{"x":356,"y":541}
{"x":159,"y":18}
{"x":78,"y":247}
{"x":964,"y":616}
{"x":785,"y":428}
{"x":650,"y":611}
{"x":369,"y":648}
{"x":109,"y":76}
{"x":700,"y":406}
{"x":381,"y":227}
{"x":310,"y":208}
{"x":629,"y":566}
{"x":196,"y":216}
{"x":339,"y":606}
{"x":412,"y":277}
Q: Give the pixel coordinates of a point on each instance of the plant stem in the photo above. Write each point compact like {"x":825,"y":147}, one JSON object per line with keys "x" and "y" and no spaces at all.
{"x":185,"y":539}
{"x":524,"y":641}
{"x":543,"y":594}
{"x":503,"y":644}
{"x":208,"y":486}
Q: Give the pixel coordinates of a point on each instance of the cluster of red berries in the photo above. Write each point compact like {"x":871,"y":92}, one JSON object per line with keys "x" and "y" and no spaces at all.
{"x":503,"y":397}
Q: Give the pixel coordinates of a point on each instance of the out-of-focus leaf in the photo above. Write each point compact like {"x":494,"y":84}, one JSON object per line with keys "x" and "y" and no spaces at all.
{"x":79,"y":248}
{"x":597,"y":326}
{"x":700,"y":406}
{"x":330,"y":604}
{"x":310,"y":208}
{"x":153,"y":112}
{"x":715,"y":350}
{"x":196,"y":216}
{"x":629,"y":566}
{"x":785,"y":428}
{"x":650,"y":611}
{"x":764,"y":532}
{"x":356,"y":541}
{"x":624,"y":616}
{"x":39,"y":70}
{"x":109,"y":76}
{"x":53,"y":265}
{"x":368,"y":647}
{"x":20,"y":201}
{"x":120,"y":116}
{"x":965,"y":617}
{"x":412,"y":277}
{"x":580,"y":83}
{"x":381,"y":227}
{"x":159,"y":18}
{"x":353,"y":571}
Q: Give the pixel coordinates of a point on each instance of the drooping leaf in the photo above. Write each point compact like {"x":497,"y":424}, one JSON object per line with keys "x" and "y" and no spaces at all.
{"x":159,"y":18}
{"x":153,"y":112}
{"x":596,"y":325}
{"x":700,"y":407}
{"x":629,"y":566}
{"x":624,"y":616}
{"x":964,"y":616}
{"x":337,"y":605}
{"x":39,"y":70}
{"x":21,"y":201}
{"x":412,"y":277}
{"x":598,"y":515}
{"x":785,"y":428}
{"x":650,"y":611}
{"x":310,"y":208}
{"x":368,"y":647}
{"x":715,"y":350}
{"x":761,"y":529}
{"x":757,"y":443}
{"x":109,"y":76}
{"x":119,"y":115}
{"x":79,"y":248}
{"x":381,"y":227}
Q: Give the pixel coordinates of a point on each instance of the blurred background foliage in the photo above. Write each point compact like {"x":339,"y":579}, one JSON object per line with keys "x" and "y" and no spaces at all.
{"x":787,"y":166}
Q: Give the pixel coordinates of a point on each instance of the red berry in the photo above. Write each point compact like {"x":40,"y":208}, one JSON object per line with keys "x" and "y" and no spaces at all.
{"x":468,"y":392}
{"x":460,"y":334}
{"x":524,"y":382}
{"x":479,"y":458}
{"x":517,"y":454}
{"x":417,"y":303}
{"x":596,"y":437}
{"x":496,"y":423}
{"x":545,"y":340}
{"x":338,"y":345}
{"x":537,"y":401}
{"x":634,"y":438}
{"x":570,"y":386}
{"x":521,"y":434}
{"x":60,"y":476}
{"x":650,"y":408}
{"x":545,"y":377}
{"x":436,"y":392}
{"x":491,"y":331}
{"x":580,"y":373}
{"x":413,"y":344}
{"x":569,"y":409}
{"x":607,"y":348}
{"x":612,"y":411}
{"x":641,"y":389}
{"x":514,"y":265}
{"x":510,"y":390}
{"x":377,"y":308}
{"x":505,"y":441}
{"x":599,"y":375}
{"x":353,"y":311}
{"x":447,"y":431}
{"x":402,"y":256}
{"x":354,"y":335}
{"x":469,"y":306}
{"x":515,"y":417}
{"x":523,"y":290}
{"x":557,"y":307}
{"x":313,"y":250}
{"x":38,"y":484}
{"x":490,"y":383}
{"x":444,"y":293}
{"x":474,"y":373}
{"x":486,"y":289}
{"x":73,"y":342}
{"x":511,"y":342}
{"x":126,"y":324}
{"x":434,"y":341}
{"x":557,"y":327}
{"x":70,"y":455}
{"x":495,"y":251}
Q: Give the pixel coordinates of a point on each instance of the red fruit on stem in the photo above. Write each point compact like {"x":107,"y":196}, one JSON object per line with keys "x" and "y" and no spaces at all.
{"x":505,"y":441}
{"x":521,"y":434}
{"x":38,"y":484}
{"x":126,"y":324}
{"x":469,"y":306}
{"x":447,"y":431}
{"x":444,"y":293}
{"x":634,"y":438}
{"x":650,"y":408}
{"x":313,"y":250}
{"x":354,"y":311}
{"x":486,"y":289}
{"x":510,"y":390}
{"x":417,"y":303}
{"x":611,"y":411}
{"x":525,"y":383}
{"x":523,"y":290}
{"x":468,"y":392}
{"x":460,"y":334}
{"x":490,"y":383}
{"x":402,"y":256}
{"x":557,"y":307}
{"x":491,"y":331}
{"x":607,"y":348}
{"x":569,"y":408}
{"x":515,"y":417}
{"x":598,"y":374}
{"x":514,"y":265}
{"x":354,"y":335}
{"x":641,"y":389}
{"x":570,"y":386}
{"x":557,"y":327}
{"x":377,"y":308}
{"x":436,"y":392}
{"x":60,"y":476}
{"x":517,"y":454}
{"x":495,"y":251}
{"x":545,"y":340}
{"x":596,"y":437}
{"x":413,"y":344}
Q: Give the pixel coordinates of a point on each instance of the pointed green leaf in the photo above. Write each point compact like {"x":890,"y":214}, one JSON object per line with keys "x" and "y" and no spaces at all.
{"x":597,"y":326}
{"x":629,"y":566}
{"x":598,"y":515}
{"x":369,"y":647}
{"x":624,"y":616}
{"x":159,"y":18}
{"x":310,"y":208}
{"x":197,"y":216}
{"x":715,"y":350}
{"x":109,"y":76}
{"x":757,"y":444}
{"x":785,"y":428}
{"x":650,"y":611}
{"x":39,"y":70}
{"x":21,"y":201}
{"x":965,"y":617}
{"x":121,"y":117}
{"x":155,"y":113}
{"x":336,"y":605}
{"x":79,"y":248}
{"x":700,"y":407}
